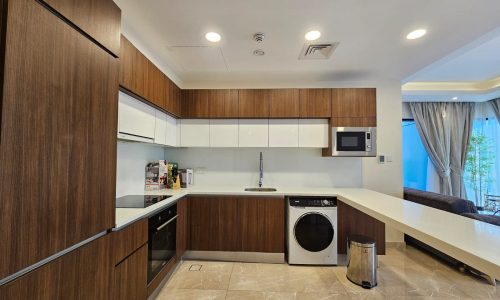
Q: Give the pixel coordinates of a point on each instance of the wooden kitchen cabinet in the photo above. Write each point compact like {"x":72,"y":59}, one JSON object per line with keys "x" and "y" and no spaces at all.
{"x":223,"y":103}
{"x":253,"y":103}
{"x":173,"y":102}
{"x":84,"y":273}
{"x":60,"y":102}
{"x":100,"y":19}
{"x":183,"y":228}
{"x":352,"y":221}
{"x":204,"y":223}
{"x":130,"y":276}
{"x":315,"y":103}
{"x":353,"y":106}
{"x":129,"y":239}
{"x":284,"y":103}
{"x":155,"y":85}
{"x":195,"y":104}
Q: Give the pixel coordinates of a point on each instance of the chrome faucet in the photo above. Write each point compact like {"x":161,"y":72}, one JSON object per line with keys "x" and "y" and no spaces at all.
{"x":261,"y":170}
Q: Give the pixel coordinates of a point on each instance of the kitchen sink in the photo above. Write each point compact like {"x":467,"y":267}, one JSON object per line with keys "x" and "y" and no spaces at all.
{"x":260,"y":189}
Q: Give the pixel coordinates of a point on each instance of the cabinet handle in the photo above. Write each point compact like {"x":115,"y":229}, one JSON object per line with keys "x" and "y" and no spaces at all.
{"x":166,"y":223}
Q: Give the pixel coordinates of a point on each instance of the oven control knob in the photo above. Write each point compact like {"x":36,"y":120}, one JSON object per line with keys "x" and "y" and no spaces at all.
{"x":326,"y":202}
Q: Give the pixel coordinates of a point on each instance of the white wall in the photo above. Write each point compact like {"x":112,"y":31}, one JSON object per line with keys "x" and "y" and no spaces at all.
{"x":282,"y":167}
{"x":131,"y":164}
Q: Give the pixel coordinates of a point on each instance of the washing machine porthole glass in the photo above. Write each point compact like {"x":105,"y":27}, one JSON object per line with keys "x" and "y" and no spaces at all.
{"x":314,"y":232}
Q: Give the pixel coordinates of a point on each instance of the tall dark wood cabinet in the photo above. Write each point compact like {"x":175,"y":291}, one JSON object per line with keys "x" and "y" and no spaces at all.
{"x":58,"y":133}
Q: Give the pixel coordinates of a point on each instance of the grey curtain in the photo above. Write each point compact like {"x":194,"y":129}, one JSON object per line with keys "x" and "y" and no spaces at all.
{"x":435,"y":135}
{"x":445,"y":130}
{"x":495,"y":104}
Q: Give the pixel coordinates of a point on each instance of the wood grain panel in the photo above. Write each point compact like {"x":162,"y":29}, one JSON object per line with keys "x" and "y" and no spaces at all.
{"x":352,"y":221}
{"x":85,"y":273}
{"x":182,"y":229}
{"x":263,"y":224}
{"x":174,"y":104}
{"x":58,"y":138}
{"x":204,"y":223}
{"x":153,"y":285}
{"x":129,"y":239}
{"x":223,"y":103}
{"x":315,"y":103}
{"x":284,"y":103}
{"x":101,"y":19}
{"x":253,"y":103}
{"x":130,"y":276}
{"x":354,"y":122}
{"x":127,"y":57}
{"x":155,"y":86}
{"x":354,"y":102}
{"x":229,"y":230}
{"x":195,"y":104}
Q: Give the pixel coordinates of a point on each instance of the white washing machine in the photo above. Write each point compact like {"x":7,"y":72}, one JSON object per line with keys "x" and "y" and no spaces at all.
{"x":312,"y":230}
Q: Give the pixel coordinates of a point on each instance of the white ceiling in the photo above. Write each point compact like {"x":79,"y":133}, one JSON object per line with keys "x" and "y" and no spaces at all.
{"x":371,"y":35}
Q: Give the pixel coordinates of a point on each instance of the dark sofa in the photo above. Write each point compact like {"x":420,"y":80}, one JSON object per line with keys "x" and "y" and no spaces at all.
{"x":450,"y":204}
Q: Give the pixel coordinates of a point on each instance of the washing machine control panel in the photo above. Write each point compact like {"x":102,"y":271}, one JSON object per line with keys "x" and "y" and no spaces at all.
{"x":313,"y":201}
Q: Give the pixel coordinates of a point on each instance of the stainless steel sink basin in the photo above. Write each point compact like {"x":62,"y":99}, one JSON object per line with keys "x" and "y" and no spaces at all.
{"x":260,"y":189}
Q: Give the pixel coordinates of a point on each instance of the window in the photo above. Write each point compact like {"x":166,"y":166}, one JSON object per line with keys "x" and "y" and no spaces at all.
{"x":415,"y":159}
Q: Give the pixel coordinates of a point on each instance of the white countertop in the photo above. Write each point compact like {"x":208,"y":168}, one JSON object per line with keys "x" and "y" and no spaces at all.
{"x":470,"y":241}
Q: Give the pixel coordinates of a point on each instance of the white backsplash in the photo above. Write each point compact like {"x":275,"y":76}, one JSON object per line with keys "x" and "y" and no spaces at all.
{"x":282,"y":167}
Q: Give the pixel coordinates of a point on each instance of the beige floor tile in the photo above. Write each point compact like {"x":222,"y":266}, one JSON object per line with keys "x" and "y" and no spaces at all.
{"x":191,"y":294}
{"x":322,"y":296}
{"x":211,"y":276}
{"x":259,"y":295}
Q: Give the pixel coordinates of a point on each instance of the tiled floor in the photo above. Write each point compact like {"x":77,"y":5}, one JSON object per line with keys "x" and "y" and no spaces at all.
{"x":404,"y":273}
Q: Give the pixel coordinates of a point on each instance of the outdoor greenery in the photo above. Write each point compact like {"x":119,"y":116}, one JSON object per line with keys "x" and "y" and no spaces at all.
{"x":478,"y":166}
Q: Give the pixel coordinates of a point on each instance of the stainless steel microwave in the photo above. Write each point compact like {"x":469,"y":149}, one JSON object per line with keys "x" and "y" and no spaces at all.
{"x":354,"y":141}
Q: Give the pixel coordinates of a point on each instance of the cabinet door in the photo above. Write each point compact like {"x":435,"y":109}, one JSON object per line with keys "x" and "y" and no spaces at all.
{"x":136,"y":119}
{"x":173,"y":137}
{"x":229,"y":229}
{"x":175,"y":102}
{"x":283,"y":133}
{"x":155,"y":89}
{"x":160,"y":128}
{"x":313,"y":133}
{"x":204,"y":223}
{"x":130,"y":276}
{"x":253,"y":103}
{"x":223,"y":103}
{"x":284,"y":103}
{"x":315,"y":103}
{"x":224,"y":133}
{"x":253,"y":133}
{"x":60,"y":101}
{"x":263,"y":224}
{"x":195,"y":133}
{"x":182,"y":228}
{"x":354,"y":103}
{"x":127,"y":57}
{"x":84,"y":273}
{"x":101,"y":19}
{"x":195,"y":104}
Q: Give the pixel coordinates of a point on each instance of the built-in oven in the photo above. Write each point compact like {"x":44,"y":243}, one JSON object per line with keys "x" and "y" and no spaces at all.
{"x":161,"y":240}
{"x":354,"y":141}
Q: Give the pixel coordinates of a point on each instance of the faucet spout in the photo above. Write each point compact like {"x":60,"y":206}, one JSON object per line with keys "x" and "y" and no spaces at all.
{"x":261,"y":171}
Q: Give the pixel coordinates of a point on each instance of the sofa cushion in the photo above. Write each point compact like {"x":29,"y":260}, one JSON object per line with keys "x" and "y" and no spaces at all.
{"x":484,"y":218}
{"x":447,"y":203}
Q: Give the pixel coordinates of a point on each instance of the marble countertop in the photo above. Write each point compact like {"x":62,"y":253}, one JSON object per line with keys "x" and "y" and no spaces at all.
{"x":470,"y":241}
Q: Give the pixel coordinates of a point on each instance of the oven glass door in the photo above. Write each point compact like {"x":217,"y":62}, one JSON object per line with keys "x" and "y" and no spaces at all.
{"x":161,"y":247}
{"x":351,"y":141}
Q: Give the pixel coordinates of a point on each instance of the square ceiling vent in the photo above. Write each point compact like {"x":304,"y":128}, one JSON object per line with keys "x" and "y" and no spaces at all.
{"x":318,"y":50}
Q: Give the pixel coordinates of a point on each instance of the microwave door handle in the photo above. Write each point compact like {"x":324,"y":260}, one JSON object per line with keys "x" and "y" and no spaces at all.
{"x":166,"y":223}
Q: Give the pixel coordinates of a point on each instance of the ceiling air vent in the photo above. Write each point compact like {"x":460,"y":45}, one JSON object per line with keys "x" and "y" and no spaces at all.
{"x":318,"y":51}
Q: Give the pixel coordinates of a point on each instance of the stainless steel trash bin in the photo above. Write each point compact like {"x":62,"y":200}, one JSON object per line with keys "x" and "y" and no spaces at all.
{"x":362,"y":261}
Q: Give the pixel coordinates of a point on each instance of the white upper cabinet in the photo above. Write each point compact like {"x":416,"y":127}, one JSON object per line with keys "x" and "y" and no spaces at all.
{"x":195,"y":133}
{"x":283,"y":133}
{"x":173,"y":137}
{"x":313,"y":133}
{"x":224,"y":133}
{"x":253,"y":132}
{"x":136,"y":120}
{"x":161,"y":128}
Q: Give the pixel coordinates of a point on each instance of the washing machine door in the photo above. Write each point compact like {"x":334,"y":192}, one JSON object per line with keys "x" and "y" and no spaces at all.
{"x":314,"y":232}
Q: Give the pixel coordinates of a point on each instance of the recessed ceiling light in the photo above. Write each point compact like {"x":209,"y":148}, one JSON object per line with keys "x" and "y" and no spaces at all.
{"x":416,"y":34}
{"x":212,"y":37}
{"x":313,"y":35}
{"x":454,"y":98}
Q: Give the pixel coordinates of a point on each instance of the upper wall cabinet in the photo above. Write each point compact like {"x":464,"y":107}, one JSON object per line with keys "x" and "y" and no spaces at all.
{"x":173,"y":98}
{"x":195,"y":104}
{"x":284,"y":103}
{"x":354,"y":107}
{"x":224,"y":133}
{"x":313,"y":133}
{"x":195,"y":133}
{"x":283,"y":133}
{"x":223,"y":103}
{"x":253,"y":133}
{"x":315,"y":103}
{"x":254,"y":103}
{"x":101,"y":19}
{"x":137,"y":120}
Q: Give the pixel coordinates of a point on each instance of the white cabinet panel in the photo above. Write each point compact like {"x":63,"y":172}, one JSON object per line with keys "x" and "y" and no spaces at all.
{"x":224,"y":133}
{"x":195,"y":133}
{"x":136,"y":120}
{"x":173,"y":136}
{"x":161,"y":128}
{"x":283,"y":133}
{"x":253,"y":133}
{"x":313,"y":133}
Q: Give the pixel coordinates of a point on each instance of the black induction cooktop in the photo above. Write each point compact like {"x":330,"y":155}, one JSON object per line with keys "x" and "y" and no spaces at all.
{"x":139,"y":201}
